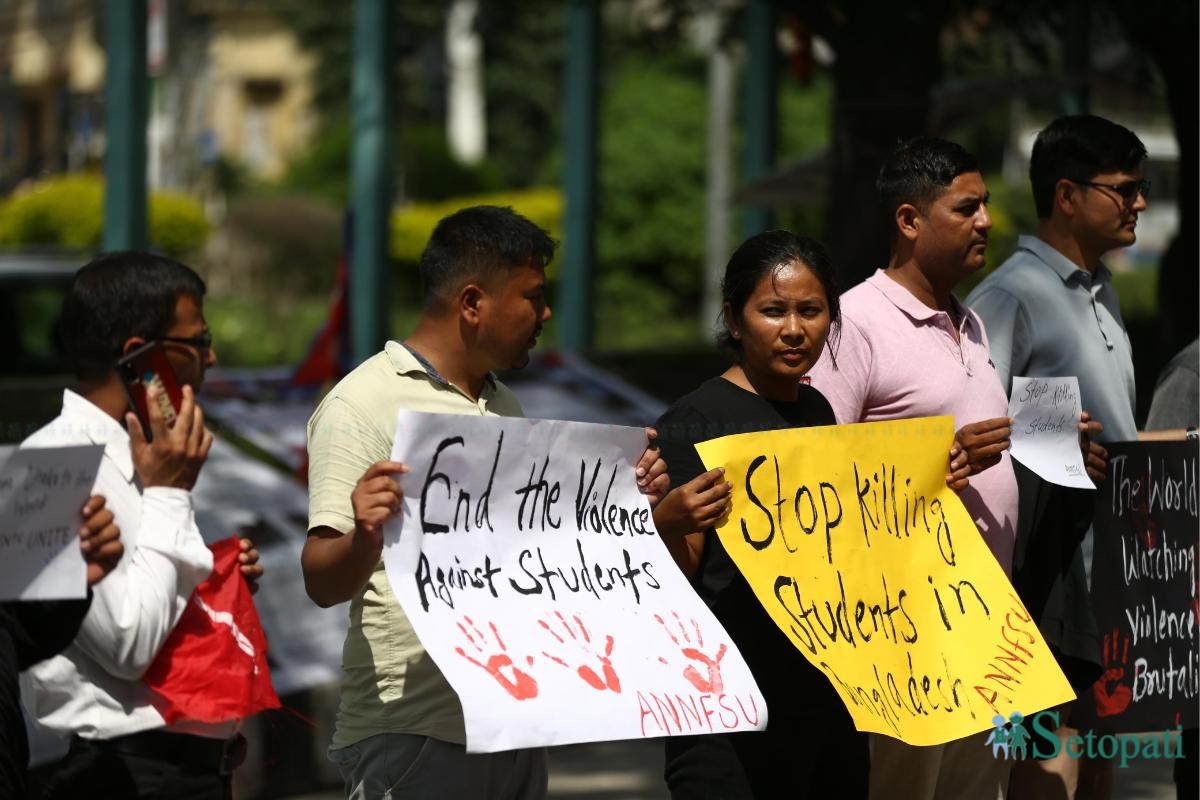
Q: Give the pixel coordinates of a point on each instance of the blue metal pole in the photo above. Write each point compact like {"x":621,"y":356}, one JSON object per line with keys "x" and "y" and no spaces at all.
{"x":579,"y":178}
{"x":759,"y":105}
{"x":1077,"y":57}
{"x":125,"y":125}
{"x":370,"y":178}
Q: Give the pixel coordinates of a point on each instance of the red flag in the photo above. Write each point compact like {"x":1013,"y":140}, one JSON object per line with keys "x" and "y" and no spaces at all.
{"x":213,"y":666}
{"x":327,"y":354}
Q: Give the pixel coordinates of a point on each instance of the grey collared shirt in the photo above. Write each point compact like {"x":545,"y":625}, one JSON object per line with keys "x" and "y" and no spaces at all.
{"x":1046,"y":317}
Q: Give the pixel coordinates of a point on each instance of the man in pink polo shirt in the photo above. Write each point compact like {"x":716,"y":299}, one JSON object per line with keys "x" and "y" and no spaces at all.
{"x":909,"y":348}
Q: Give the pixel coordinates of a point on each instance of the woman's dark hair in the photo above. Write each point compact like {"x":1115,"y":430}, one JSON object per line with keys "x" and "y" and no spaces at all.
{"x":115,"y":297}
{"x":762,"y":255}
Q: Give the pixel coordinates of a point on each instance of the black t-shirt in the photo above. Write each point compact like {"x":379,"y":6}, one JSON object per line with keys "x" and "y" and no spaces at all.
{"x":29,"y":632}
{"x":719,"y":408}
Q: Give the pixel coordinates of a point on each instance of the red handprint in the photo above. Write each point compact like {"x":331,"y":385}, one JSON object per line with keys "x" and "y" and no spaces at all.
{"x":1150,"y":534}
{"x":710,"y":683}
{"x":1144,"y":525}
{"x":607,"y":678}
{"x":1117,"y":700}
{"x":1196,"y":599}
{"x":521,"y":685}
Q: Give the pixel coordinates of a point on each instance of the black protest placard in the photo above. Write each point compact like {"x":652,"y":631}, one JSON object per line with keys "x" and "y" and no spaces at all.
{"x":1144,"y":589}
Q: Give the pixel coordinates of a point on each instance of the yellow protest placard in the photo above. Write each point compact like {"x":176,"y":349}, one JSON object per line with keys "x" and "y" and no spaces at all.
{"x":871,"y":565}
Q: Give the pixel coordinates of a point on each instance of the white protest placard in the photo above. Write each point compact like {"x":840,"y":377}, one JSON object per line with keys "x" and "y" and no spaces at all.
{"x":41,"y":493}
{"x":528,"y":563}
{"x":1045,"y":434}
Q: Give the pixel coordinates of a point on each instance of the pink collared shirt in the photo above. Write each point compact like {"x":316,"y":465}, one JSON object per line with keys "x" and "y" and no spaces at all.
{"x":898,"y":358}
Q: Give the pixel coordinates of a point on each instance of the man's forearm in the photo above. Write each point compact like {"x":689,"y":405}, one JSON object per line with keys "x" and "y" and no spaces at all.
{"x":336,"y":566}
{"x":134,"y":611}
{"x":1168,"y":435}
{"x":686,"y":551}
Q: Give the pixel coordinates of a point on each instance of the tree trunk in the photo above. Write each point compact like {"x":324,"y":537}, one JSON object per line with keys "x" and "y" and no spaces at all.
{"x":888,"y":60}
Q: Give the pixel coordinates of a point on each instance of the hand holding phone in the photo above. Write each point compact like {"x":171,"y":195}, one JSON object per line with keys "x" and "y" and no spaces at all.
{"x":147,"y":367}
{"x":173,"y":455}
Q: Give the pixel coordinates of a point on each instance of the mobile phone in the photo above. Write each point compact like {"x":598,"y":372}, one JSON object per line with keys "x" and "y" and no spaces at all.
{"x":145,"y":367}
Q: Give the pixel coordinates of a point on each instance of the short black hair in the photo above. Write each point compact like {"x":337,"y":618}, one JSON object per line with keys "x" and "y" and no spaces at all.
{"x":479,"y":243}
{"x":763,"y":254}
{"x":117,"y":296}
{"x":918,"y":171}
{"x":1079,"y":148}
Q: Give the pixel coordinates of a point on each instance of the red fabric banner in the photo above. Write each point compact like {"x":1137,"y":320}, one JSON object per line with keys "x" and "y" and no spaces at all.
{"x":327,"y":354}
{"x":213,"y":667}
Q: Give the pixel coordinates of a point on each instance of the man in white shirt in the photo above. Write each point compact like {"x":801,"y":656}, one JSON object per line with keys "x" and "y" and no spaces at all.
{"x":93,"y":691}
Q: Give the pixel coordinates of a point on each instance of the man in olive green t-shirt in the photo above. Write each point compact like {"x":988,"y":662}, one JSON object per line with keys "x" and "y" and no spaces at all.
{"x":400,"y":725}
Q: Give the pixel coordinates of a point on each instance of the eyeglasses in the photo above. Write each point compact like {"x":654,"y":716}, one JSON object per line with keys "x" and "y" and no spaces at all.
{"x":202,"y":342}
{"x":1128,"y":191}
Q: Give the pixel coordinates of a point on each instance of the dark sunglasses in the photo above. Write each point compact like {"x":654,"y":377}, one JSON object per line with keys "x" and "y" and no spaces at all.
{"x":202,"y":342}
{"x":1128,"y":191}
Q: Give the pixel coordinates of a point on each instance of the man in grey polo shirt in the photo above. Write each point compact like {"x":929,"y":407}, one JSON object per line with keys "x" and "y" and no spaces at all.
{"x":1051,"y":310}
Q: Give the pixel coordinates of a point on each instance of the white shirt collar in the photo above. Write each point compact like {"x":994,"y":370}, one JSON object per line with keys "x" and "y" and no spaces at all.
{"x":100,"y":428}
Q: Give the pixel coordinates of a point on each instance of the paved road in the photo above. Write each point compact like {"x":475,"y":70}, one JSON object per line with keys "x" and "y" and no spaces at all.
{"x":608,"y":771}
{"x":601,"y":771}
{"x":633,"y":771}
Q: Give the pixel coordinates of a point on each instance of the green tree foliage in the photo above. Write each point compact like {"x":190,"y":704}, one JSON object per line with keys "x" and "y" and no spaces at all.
{"x":650,"y":226}
{"x":650,"y":229}
{"x":431,"y":172}
{"x":428,"y":170}
{"x":651,"y":170}
{"x":805,"y":111}
{"x":804,"y":114}
{"x":68,"y":211}
{"x":327,"y":29}
{"x":276,"y":245}
{"x":523,"y":54}
{"x":324,"y":167}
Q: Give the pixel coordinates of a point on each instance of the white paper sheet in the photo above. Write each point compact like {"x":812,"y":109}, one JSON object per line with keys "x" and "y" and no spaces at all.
{"x":41,"y":493}
{"x":528,"y":562}
{"x":1045,"y":437}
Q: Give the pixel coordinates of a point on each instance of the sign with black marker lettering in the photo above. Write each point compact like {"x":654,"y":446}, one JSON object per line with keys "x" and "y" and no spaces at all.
{"x":528,"y":563}
{"x":42,"y":491}
{"x":1045,"y":433}
{"x":1144,"y":589}
{"x":873,"y":568}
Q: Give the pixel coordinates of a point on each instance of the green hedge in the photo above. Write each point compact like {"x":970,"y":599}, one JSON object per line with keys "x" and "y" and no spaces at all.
{"x":68,"y":211}
{"x":412,"y":224}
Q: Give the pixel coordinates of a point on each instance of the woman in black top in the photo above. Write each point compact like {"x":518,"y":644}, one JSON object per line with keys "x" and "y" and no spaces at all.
{"x":779,"y":307}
